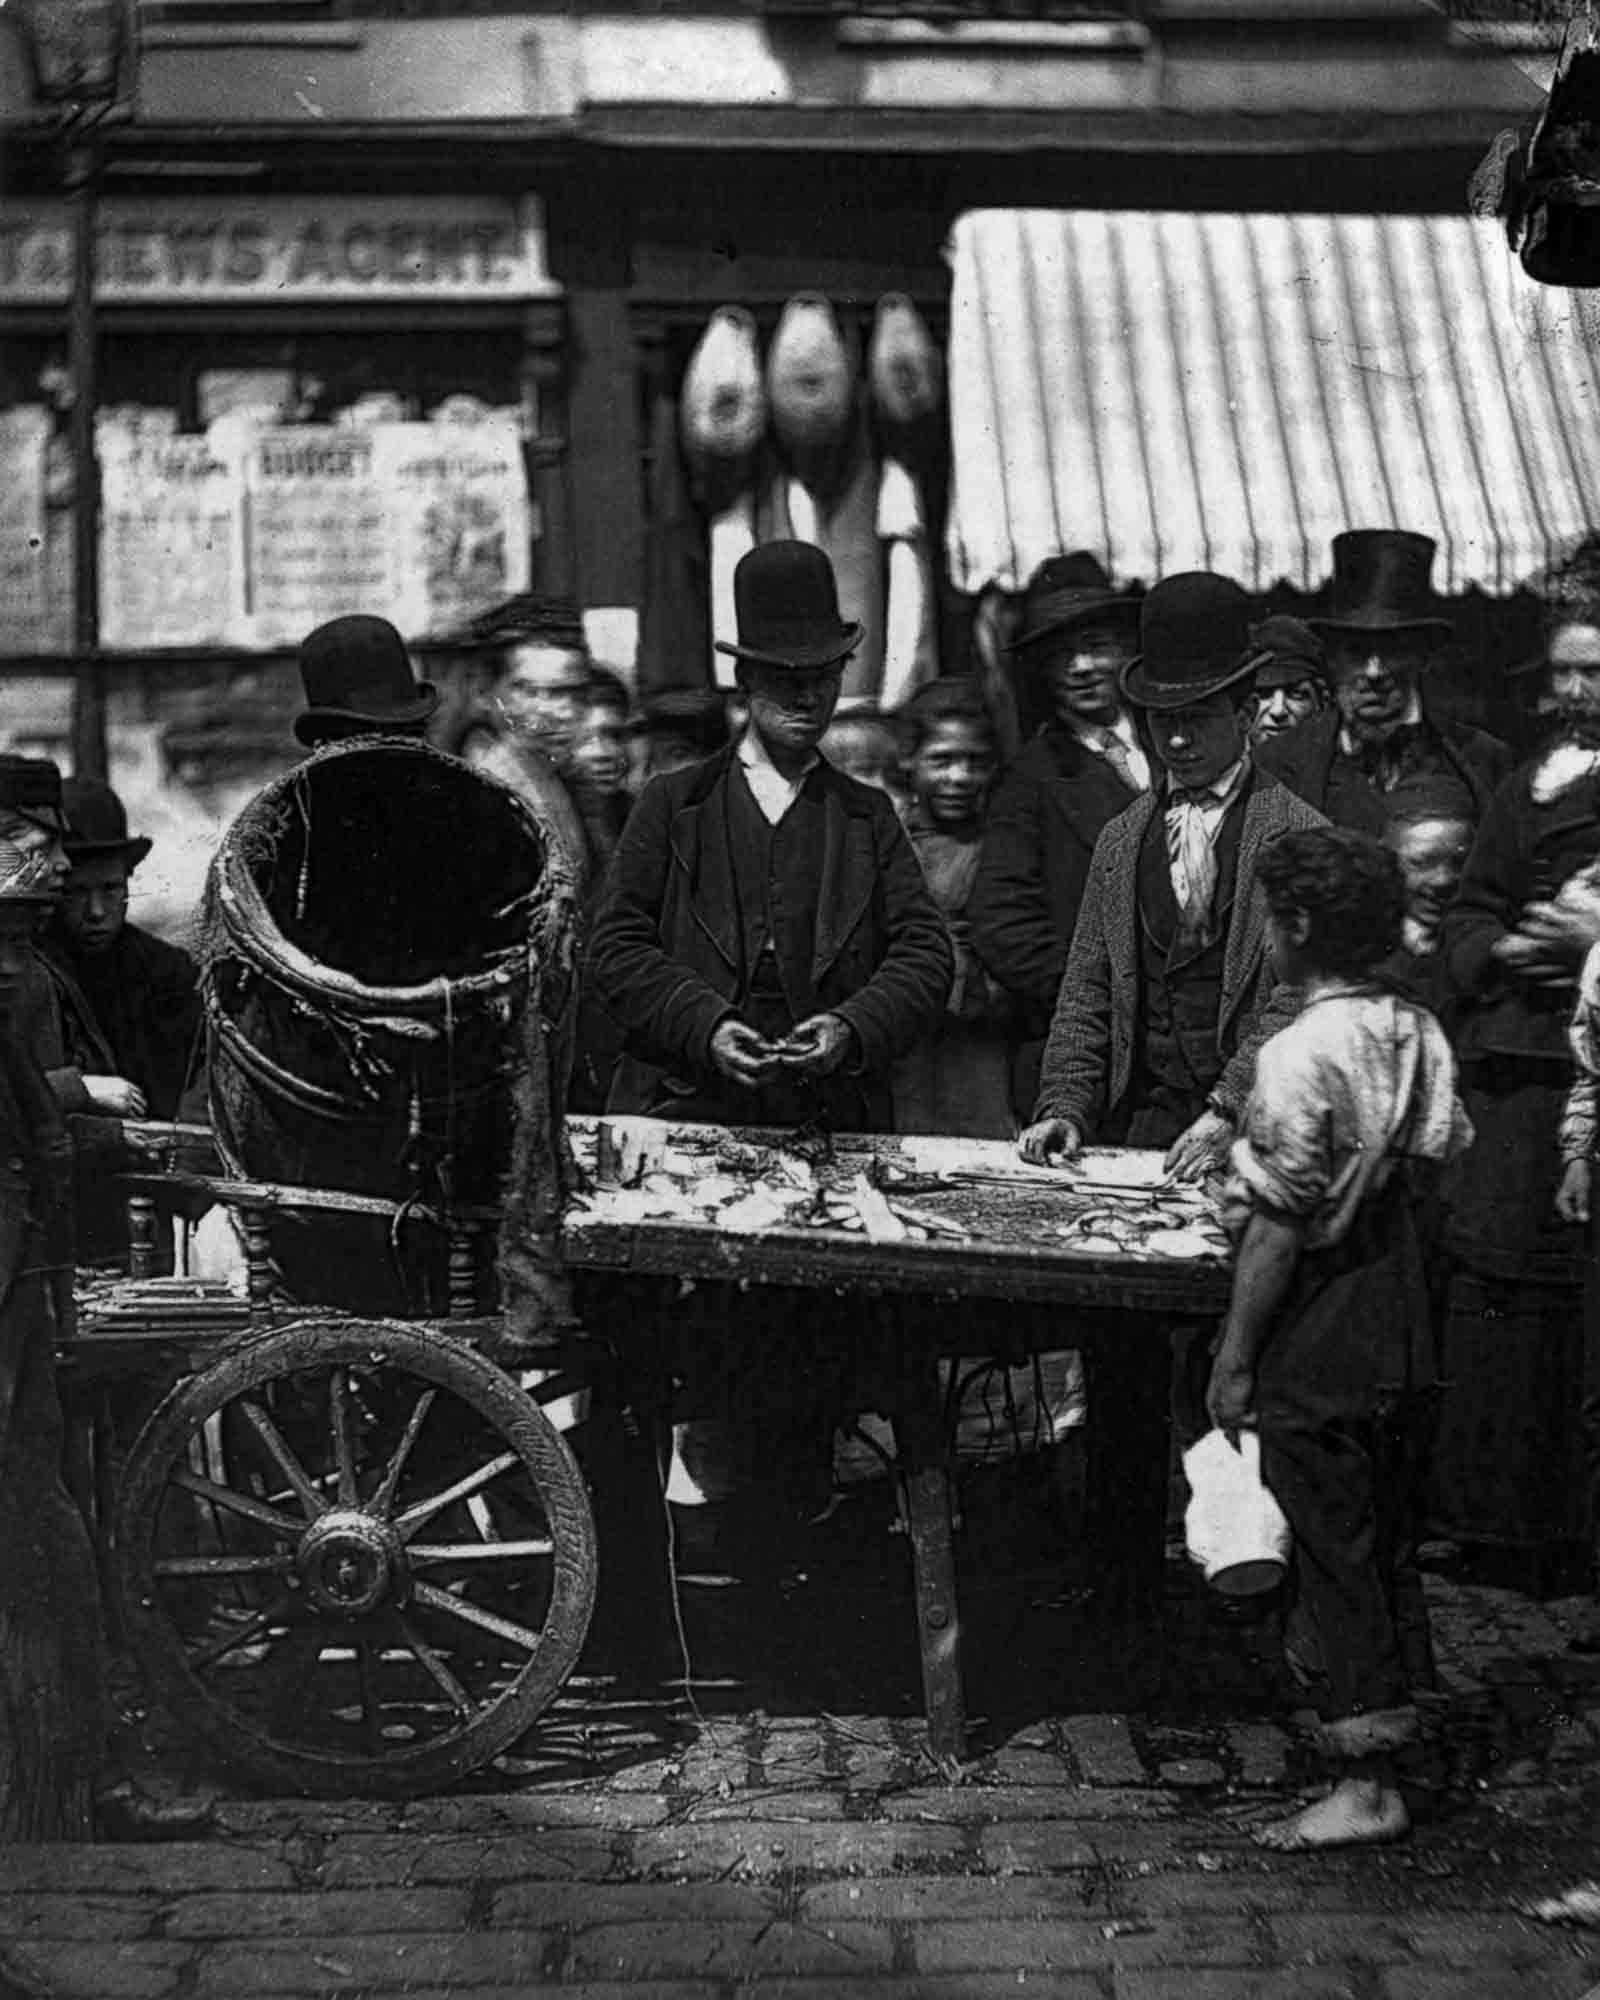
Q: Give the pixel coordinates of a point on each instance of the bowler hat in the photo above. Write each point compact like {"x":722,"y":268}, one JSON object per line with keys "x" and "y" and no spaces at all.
{"x":357,"y":670}
{"x":1381,"y":583}
{"x":97,"y":823}
{"x":31,"y":786}
{"x":1065,"y":591}
{"x":1194,"y":641}
{"x":787,"y":607}
{"x":1293,"y":652}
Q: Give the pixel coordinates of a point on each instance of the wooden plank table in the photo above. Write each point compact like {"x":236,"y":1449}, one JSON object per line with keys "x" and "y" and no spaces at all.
{"x":1013,"y":1286}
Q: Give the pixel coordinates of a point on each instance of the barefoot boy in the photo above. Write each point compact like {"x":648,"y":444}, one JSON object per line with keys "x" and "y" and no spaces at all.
{"x":1326,"y":1346}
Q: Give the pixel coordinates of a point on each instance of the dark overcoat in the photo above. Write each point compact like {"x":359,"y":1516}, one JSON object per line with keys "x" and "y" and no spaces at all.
{"x":1303,"y":759}
{"x":666,"y":953}
{"x":1052,"y":806}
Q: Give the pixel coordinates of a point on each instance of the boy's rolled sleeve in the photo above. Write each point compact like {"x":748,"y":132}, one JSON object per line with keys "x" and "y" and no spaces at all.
{"x":1282,"y":1159}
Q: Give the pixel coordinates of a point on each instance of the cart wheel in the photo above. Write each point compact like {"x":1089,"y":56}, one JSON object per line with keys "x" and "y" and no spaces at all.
{"x":354,"y":1558}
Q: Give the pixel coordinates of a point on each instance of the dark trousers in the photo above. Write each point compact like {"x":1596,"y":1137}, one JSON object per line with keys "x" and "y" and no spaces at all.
{"x":1350,"y":1491}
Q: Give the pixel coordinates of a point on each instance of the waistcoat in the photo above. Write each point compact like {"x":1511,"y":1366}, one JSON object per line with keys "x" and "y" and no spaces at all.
{"x":777,"y":871}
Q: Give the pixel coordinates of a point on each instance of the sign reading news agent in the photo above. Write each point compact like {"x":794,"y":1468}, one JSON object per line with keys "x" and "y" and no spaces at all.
{"x":281,"y":249}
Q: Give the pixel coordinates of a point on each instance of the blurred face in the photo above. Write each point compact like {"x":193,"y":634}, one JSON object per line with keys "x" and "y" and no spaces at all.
{"x":1283,"y":707}
{"x":863,"y":750}
{"x":1199,"y":743}
{"x":1081,"y":667}
{"x":1573,"y":674}
{"x":600,"y":749}
{"x":791,"y":707}
{"x":36,"y":841}
{"x":1432,"y":854}
{"x":543,"y":695}
{"x":953,"y":768}
{"x":94,"y":907}
{"x":1375,"y":675}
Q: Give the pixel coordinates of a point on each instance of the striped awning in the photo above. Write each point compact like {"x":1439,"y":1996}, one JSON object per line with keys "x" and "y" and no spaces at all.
{"x":1231,"y":391}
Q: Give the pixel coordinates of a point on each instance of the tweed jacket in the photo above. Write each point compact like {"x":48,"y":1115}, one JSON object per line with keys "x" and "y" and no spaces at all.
{"x":666,"y":955}
{"x":1089,"y":1058}
{"x":1303,"y":759}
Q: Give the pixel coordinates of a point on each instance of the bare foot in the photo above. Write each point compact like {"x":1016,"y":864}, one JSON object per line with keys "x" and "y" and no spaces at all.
{"x":1357,"y":1812}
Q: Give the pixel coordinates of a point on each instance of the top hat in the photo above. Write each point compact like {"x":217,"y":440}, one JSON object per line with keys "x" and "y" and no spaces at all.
{"x":97,"y":823}
{"x":787,"y":607}
{"x":1065,"y":591}
{"x":1194,"y":641}
{"x":1381,"y":583}
{"x":31,"y":786}
{"x":1293,"y":652}
{"x":357,"y":670}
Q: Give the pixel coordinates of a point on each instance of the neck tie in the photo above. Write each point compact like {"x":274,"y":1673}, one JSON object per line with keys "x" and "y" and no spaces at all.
{"x":1116,"y":755}
{"x":1189,"y":853}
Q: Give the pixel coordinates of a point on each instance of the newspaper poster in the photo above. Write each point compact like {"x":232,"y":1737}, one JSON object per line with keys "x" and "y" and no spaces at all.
{"x":457,"y":499}
{"x":317,"y":541}
{"x":25,"y":596}
{"x":171,"y":543}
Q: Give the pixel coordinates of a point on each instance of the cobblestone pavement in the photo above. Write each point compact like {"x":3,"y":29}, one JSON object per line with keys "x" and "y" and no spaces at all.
{"x":789,"y":1844}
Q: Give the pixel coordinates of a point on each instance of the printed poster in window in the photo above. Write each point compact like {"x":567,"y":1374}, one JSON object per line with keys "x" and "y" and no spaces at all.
{"x":25,"y":597}
{"x":171,"y":542}
{"x":316,"y":534}
{"x":458,"y":506}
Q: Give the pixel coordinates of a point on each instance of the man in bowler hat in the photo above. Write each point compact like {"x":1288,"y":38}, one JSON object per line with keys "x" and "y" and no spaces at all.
{"x":1169,"y":987}
{"x":1085,"y":765}
{"x":130,"y":1001}
{"x":1381,"y":632}
{"x":358,"y":681}
{"x":765,"y":939}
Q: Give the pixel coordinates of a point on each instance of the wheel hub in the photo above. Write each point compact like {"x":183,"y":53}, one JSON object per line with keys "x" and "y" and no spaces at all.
{"x":350,"y":1564}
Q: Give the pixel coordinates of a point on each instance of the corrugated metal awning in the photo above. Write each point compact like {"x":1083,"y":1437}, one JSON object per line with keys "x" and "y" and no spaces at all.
{"x":1231,"y":391}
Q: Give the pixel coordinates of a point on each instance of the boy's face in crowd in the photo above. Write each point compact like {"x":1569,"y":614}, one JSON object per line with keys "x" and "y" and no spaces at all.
{"x":791,"y":707}
{"x":1375,"y":676}
{"x":1288,"y":931}
{"x":543,"y":694}
{"x":952,"y":769}
{"x":600,"y":750}
{"x":1081,"y":667}
{"x":94,"y":906}
{"x":1283,"y":707}
{"x":1199,"y":743}
{"x":1573,"y":672}
{"x":862,"y":748}
{"x":1432,"y":854}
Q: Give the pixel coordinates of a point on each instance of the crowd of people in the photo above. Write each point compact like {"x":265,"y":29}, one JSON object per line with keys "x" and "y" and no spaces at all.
{"x":1246,"y":897}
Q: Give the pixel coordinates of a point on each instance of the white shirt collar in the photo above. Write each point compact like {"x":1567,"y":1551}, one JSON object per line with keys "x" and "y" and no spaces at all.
{"x":1219,"y":793}
{"x":1410,"y":720}
{"x":771,"y":790}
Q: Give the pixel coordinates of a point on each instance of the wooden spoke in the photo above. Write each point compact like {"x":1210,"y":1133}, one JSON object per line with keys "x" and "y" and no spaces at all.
{"x":222,"y":1566}
{"x":230,"y":1642}
{"x":423,"y":1554}
{"x":283,"y":1457}
{"x":383,"y":1499}
{"x":339,"y":1426}
{"x":416,"y":1517}
{"x":437,"y":1671}
{"x":474,"y":1614}
{"x":238,"y":1503}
